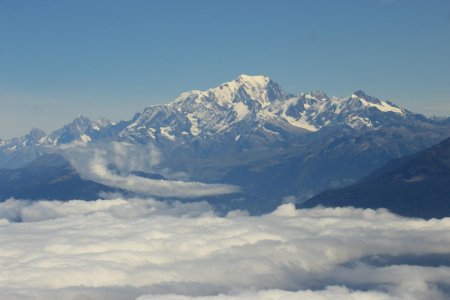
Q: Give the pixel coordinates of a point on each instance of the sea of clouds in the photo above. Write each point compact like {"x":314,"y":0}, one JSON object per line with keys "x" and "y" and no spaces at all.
{"x":144,"y":249}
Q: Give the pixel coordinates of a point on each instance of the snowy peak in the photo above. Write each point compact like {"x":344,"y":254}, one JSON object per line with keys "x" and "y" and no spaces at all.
{"x":81,"y":121}
{"x":315,"y":96}
{"x":35,"y":135}
{"x":72,"y":131}
{"x":80,"y":129}
{"x":205,"y":113}
{"x":260,"y":90}
{"x":253,"y":79}
{"x":363,"y":96}
{"x":372,"y":102}
{"x":79,"y":125}
{"x":101,"y":123}
{"x":246,"y":82}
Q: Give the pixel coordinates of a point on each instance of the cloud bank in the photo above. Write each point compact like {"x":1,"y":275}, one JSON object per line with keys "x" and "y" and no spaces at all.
{"x":145,"y":249}
{"x":111,"y":164}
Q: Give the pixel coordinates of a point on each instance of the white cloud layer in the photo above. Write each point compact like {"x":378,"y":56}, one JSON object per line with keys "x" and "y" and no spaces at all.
{"x":141,"y":248}
{"x":94,"y":162}
{"x":330,"y":293}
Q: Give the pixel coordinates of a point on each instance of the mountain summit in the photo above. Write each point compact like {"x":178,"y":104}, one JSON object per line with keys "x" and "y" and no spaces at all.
{"x":260,"y":89}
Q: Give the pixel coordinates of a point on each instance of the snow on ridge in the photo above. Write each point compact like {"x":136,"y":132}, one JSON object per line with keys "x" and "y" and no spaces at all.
{"x":194,"y":125}
{"x":224,"y":94}
{"x":301,"y":122}
{"x":358,"y":122}
{"x":384,"y":107}
{"x":151,"y":132}
{"x":256,"y":79}
{"x":381,"y":105}
{"x":85,"y":138}
{"x":254,"y":86}
{"x":167,"y":132}
{"x":279,"y":108}
{"x":241,"y":111}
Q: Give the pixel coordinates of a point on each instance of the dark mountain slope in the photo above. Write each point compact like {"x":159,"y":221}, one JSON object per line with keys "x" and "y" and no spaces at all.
{"x":48,"y":177}
{"x":415,"y":186}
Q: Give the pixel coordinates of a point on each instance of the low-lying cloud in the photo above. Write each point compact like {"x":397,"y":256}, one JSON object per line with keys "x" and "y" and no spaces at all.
{"x":145,"y":249}
{"x":112,"y":165}
{"x":330,"y":293}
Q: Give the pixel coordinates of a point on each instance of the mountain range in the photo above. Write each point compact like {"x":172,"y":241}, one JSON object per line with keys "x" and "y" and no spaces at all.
{"x":251,"y":133}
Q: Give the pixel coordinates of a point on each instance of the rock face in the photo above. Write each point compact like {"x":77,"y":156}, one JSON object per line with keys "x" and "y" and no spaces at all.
{"x":414,"y":186}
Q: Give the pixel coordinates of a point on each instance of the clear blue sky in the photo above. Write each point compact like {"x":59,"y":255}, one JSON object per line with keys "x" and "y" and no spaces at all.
{"x":112,"y":58}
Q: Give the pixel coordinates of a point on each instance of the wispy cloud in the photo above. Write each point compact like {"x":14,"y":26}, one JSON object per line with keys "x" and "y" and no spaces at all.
{"x":111,"y":164}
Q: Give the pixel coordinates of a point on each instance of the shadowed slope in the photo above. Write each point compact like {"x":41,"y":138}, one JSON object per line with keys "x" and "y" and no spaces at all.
{"x":416,"y":186}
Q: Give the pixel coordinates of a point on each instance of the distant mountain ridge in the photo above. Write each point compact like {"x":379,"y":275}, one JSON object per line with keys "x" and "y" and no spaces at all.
{"x":244,"y":114}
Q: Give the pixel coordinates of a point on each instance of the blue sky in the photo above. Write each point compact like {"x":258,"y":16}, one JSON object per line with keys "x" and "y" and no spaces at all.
{"x":112,"y":58}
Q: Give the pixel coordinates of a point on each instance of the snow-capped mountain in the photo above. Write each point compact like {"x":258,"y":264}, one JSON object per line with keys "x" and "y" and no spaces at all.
{"x":255,"y":112}
{"x":18,"y":151}
{"x":250,"y":112}
{"x":247,"y":132}
{"x":81,"y":128}
{"x":261,"y":102}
